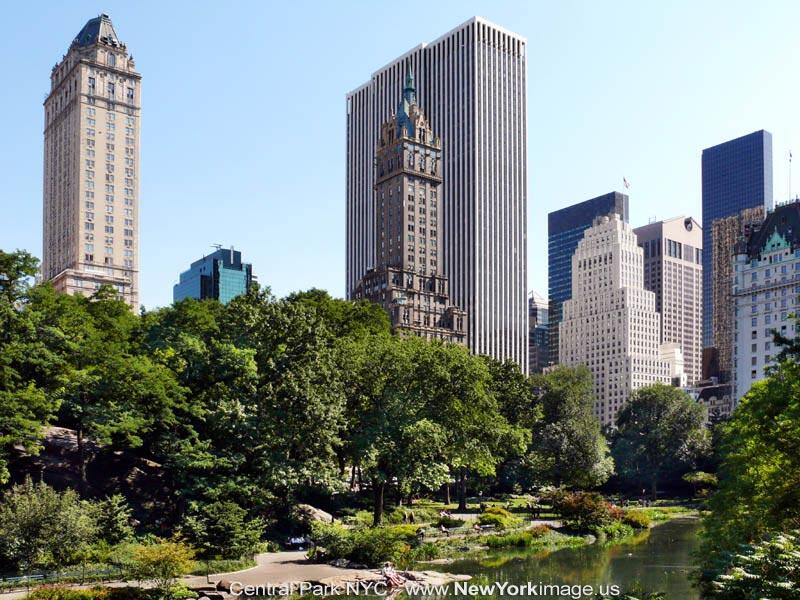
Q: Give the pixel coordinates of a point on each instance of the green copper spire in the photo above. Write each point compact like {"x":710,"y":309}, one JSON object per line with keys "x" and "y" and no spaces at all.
{"x":410,"y":92}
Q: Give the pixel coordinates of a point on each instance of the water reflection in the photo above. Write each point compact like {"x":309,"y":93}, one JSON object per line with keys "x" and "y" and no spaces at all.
{"x":658,"y":560}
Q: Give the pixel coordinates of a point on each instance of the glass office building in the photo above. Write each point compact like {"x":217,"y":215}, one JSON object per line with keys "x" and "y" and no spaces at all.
{"x":736,"y":175}
{"x":565,"y":229}
{"x":221,"y":275}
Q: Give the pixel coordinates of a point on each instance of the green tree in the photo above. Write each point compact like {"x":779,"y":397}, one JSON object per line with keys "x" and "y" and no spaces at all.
{"x":114,"y":520}
{"x":766,"y":569}
{"x":43,"y":528}
{"x":660,"y":433}
{"x":222,"y":530}
{"x":162,"y":563}
{"x":393,"y":438}
{"x":25,"y":363}
{"x":464,"y":399}
{"x":759,"y":476}
{"x":568,"y":445}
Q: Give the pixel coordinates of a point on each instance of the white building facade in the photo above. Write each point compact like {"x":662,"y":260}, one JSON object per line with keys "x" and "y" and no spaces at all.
{"x":610,"y":324}
{"x":765,"y":294}
{"x":471,"y":86}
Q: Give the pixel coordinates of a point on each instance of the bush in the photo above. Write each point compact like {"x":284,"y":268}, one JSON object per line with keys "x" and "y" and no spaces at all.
{"x":584,"y":510}
{"x":613,"y":530}
{"x":62,"y":592}
{"x":426,"y":551}
{"x":520,"y":539}
{"x":225,"y":565}
{"x":767,"y":569}
{"x":162,"y":563}
{"x":421,"y":515}
{"x":369,"y":546}
{"x":43,"y":528}
{"x":450,"y":522}
{"x":636,"y":519}
{"x":222,"y":529}
{"x":497,"y":520}
{"x":496,"y":510}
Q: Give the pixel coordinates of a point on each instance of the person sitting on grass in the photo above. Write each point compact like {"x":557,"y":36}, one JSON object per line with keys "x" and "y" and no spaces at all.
{"x":393,"y":578}
{"x":444,"y":530}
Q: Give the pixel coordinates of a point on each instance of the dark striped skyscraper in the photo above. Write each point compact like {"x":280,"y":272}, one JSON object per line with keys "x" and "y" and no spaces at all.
{"x":565,"y":229}
{"x":736,"y":175}
{"x":471,"y":85}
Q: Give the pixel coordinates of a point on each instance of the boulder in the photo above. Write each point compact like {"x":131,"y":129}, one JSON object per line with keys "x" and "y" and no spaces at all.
{"x":308,"y":514}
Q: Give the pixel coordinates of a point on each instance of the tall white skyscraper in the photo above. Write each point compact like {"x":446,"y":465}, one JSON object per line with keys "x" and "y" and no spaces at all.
{"x":610,"y":324}
{"x":91,"y":166}
{"x":471,"y":85}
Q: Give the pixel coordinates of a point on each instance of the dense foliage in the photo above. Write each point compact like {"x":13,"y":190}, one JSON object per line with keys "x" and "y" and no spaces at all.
{"x":660,"y":434}
{"x":758,"y":493}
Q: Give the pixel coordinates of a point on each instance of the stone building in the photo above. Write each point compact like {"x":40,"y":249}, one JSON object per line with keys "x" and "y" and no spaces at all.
{"x":472,"y":88}
{"x":725,"y":234}
{"x":91,"y":166}
{"x":407,"y":280}
{"x":610,"y":323}
{"x":766,"y":288}
{"x":673,"y":270}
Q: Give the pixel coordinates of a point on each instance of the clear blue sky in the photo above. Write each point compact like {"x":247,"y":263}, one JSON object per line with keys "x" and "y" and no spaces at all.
{"x":243,"y":121}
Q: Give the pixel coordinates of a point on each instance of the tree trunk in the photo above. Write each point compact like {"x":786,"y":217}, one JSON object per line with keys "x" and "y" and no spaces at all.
{"x":446,"y":493}
{"x":462,"y":489}
{"x":82,"y":460}
{"x":377,"y":508}
{"x":654,"y":487}
{"x":352,"y":478}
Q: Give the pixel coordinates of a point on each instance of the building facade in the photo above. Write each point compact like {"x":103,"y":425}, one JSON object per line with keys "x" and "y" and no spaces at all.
{"x":673,"y":270}
{"x":766,"y":289}
{"x":610,"y":323}
{"x":407,"y":279}
{"x":472,"y":89}
{"x":220,"y":276}
{"x":538,"y":350}
{"x":565,"y":229}
{"x":725,"y":234}
{"x":91,"y":167}
{"x":736,"y":174}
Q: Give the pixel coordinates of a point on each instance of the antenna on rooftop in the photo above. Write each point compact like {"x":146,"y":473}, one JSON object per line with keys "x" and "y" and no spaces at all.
{"x":217,"y":246}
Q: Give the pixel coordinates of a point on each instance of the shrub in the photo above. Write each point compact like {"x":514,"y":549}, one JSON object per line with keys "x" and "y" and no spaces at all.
{"x":43,"y":528}
{"x":498,"y":521}
{"x":519,"y":539}
{"x":421,"y":514}
{"x":584,"y":510}
{"x":612,"y":531}
{"x":496,"y":510}
{"x":62,"y":592}
{"x":426,"y":551}
{"x":222,"y":529}
{"x":366,"y":545}
{"x":767,"y":569}
{"x":450,"y":522}
{"x":636,"y":519}
{"x":162,"y":563}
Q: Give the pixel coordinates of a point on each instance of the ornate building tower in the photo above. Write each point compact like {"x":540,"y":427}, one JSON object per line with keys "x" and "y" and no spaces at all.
{"x":91,"y":166}
{"x":407,"y":280}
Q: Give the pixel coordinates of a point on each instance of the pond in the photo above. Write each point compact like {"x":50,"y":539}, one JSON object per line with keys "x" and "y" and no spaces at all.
{"x":659,"y":560}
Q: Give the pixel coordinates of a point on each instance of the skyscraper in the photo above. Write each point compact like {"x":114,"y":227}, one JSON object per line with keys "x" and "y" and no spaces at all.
{"x":565,"y":228}
{"x":736,"y":175}
{"x":765,"y":293}
{"x":610,"y":323}
{"x":91,"y":166}
{"x":725,"y":234}
{"x":673,"y":270}
{"x":471,"y":87}
{"x":538,"y":350}
{"x":407,"y":279}
{"x":221,"y":275}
